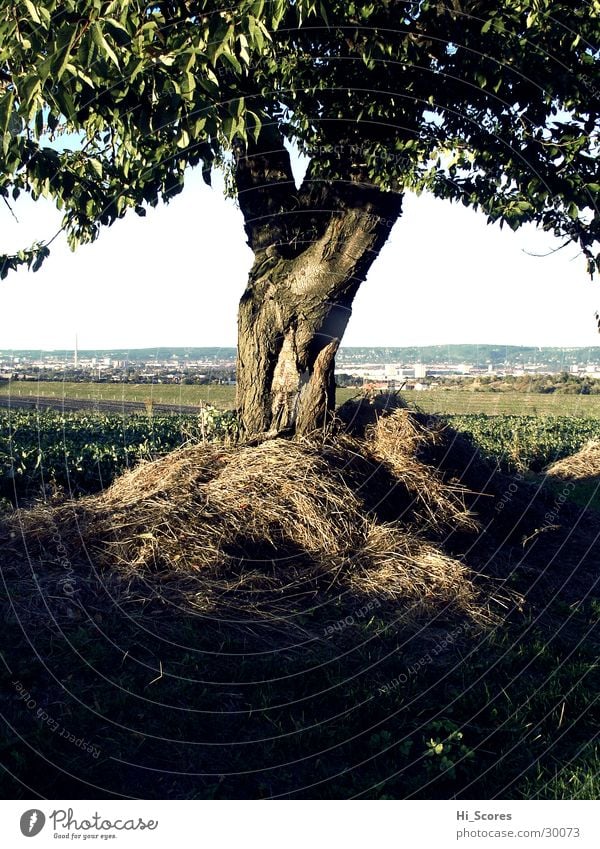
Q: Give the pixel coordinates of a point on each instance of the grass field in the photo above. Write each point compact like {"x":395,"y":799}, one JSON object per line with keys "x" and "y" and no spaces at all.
{"x":462,"y":402}
{"x":143,"y":393}
{"x":453,"y":402}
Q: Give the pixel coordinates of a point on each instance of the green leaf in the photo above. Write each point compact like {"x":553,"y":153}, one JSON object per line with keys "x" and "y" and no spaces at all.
{"x":64,"y":101}
{"x":29,"y":91}
{"x":61,"y":57}
{"x":531,"y":19}
{"x":278,"y":11}
{"x":38,"y":262}
{"x":39,"y":123}
{"x":77,"y":72}
{"x":117,"y":31}
{"x":53,"y":121}
{"x":189,"y":84}
{"x":96,"y":166}
{"x":103,"y":45}
{"x":244,"y":54}
{"x":230,"y":127}
{"x":255,"y":32}
{"x":233,"y":61}
{"x":32,"y":11}
{"x":6,"y":111}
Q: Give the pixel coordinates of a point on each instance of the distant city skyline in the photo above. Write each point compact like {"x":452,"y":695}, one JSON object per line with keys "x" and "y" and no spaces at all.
{"x":26,"y":379}
{"x":174,"y":279}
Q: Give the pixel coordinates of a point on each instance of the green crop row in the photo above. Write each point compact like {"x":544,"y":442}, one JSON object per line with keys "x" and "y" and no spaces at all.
{"x":85,"y":452}
{"x":526,"y":442}
{"x":82,"y":453}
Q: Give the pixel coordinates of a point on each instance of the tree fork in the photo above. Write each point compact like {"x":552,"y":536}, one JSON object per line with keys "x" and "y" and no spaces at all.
{"x":313,"y":249}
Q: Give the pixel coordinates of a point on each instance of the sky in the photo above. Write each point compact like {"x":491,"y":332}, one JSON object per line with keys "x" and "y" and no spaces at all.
{"x":174,"y":279}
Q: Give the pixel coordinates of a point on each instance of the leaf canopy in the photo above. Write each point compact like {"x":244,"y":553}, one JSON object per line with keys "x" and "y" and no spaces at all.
{"x":103,"y":105}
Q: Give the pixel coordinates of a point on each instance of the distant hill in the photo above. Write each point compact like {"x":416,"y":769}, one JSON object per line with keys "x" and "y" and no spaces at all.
{"x":475,"y":355}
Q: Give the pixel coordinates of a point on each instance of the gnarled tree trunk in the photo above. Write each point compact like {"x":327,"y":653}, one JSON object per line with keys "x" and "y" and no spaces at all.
{"x":313,"y":249}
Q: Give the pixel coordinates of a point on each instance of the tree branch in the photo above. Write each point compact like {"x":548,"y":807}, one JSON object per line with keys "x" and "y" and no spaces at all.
{"x":266,"y":189}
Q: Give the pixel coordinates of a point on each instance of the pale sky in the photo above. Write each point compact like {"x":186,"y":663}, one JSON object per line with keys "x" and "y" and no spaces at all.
{"x":174,"y":279}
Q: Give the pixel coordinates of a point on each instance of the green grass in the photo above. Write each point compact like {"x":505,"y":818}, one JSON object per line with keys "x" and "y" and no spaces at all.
{"x":509,"y":713}
{"x":578,"y":780}
{"x":462,"y":402}
{"x":452,"y":401}
{"x":222,"y":397}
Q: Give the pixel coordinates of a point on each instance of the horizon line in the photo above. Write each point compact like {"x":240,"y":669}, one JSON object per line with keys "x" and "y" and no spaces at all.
{"x":342,"y":347}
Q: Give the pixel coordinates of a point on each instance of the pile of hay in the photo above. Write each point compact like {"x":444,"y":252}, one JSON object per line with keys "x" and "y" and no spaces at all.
{"x":584,"y":464}
{"x":267,"y":527}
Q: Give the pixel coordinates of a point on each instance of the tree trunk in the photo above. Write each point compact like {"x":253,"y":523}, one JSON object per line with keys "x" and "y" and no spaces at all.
{"x":313,"y":249}
{"x":286,"y":351}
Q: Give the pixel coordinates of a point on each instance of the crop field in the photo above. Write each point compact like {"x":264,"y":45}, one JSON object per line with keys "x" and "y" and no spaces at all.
{"x":445,"y":401}
{"x":519,"y":443}
{"x":82,"y":452}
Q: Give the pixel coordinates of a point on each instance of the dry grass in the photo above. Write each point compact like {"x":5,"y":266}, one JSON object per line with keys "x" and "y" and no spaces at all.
{"x":584,"y":464}
{"x":257,"y":528}
{"x":397,"y":441}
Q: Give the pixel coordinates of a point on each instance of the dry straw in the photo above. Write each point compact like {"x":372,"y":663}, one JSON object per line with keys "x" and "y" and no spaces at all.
{"x":584,"y":464}
{"x":259,"y":527}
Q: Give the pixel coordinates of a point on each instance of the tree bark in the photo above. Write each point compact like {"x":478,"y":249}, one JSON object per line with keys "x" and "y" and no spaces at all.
{"x":313,"y":249}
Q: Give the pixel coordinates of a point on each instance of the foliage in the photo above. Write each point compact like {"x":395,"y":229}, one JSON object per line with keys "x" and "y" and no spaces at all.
{"x":104,"y":103}
{"x":527,"y":442}
{"x":83,"y":453}
{"x":493,"y":105}
{"x":172,"y":394}
{"x":445,"y":750}
{"x":544,"y":384}
{"x":138,"y":90}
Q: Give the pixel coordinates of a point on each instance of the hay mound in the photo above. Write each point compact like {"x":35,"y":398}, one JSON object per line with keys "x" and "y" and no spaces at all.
{"x":256,"y":527}
{"x":400,"y":442}
{"x":584,"y":464}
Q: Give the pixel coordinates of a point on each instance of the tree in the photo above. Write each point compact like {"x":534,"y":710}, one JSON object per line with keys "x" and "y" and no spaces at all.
{"x":492,"y":105}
